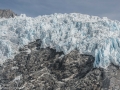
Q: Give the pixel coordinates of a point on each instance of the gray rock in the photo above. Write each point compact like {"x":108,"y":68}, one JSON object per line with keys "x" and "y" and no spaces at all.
{"x":46,"y":69}
{"x":6,"y":13}
{"x":111,"y":80}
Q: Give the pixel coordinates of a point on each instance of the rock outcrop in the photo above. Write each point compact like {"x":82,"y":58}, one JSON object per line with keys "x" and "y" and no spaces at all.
{"x":46,"y":69}
{"x":6,"y":13}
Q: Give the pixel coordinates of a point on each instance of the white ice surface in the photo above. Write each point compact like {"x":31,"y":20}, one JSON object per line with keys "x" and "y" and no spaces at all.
{"x":90,"y":35}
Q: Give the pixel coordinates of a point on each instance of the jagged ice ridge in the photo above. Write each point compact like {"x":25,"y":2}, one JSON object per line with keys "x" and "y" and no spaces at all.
{"x":90,"y":35}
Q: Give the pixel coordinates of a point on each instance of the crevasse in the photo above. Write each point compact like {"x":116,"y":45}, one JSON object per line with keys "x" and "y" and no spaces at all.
{"x":90,"y":35}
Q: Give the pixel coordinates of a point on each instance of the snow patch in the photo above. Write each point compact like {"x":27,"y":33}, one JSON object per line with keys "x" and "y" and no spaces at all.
{"x":17,"y":78}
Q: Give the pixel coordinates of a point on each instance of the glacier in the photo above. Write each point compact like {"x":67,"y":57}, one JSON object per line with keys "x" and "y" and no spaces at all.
{"x":91,"y":35}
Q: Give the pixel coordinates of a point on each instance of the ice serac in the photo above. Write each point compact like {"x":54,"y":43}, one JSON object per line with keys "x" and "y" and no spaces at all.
{"x":90,"y":35}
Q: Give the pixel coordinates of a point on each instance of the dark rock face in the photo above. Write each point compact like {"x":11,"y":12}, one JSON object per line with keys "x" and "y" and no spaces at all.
{"x":111,"y":78}
{"x":46,"y":69}
{"x":7,"y":13}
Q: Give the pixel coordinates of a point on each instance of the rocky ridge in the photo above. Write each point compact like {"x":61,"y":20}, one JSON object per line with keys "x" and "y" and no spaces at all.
{"x":7,"y":13}
{"x":46,"y":69}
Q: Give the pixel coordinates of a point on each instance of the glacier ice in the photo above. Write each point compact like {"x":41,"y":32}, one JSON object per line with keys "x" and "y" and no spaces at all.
{"x":90,"y":35}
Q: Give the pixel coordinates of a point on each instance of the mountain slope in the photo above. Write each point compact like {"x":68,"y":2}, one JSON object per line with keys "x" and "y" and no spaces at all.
{"x":46,"y":69}
{"x":45,"y":55}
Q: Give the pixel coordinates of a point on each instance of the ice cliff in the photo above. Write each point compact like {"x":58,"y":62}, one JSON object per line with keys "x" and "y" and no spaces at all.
{"x":90,"y":35}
